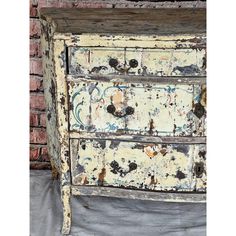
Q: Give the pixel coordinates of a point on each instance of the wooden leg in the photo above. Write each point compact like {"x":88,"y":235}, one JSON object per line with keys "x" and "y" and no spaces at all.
{"x":65,"y":197}
{"x":55,"y":173}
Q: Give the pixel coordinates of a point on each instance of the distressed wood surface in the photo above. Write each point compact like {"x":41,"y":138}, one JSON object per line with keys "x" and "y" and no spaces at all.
{"x":153,"y":166}
{"x":50,"y":92}
{"x":137,"y":138}
{"x":159,"y":110}
{"x":154,"y":62}
{"x":138,"y":79}
{"x":141,"y":195}
{"x":141,"y":126}
{"x":127,"y":21}
{"x":55,"y":90}
{"x":177,"y":41}
{"x":62,"y":127}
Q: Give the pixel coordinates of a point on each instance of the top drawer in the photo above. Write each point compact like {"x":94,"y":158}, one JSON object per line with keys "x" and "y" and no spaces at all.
{"x":132,"y":61}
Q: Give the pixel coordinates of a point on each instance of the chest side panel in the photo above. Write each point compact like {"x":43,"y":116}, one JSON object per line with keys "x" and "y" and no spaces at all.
{"x":137,"y":108}
{"x":150,"y":166}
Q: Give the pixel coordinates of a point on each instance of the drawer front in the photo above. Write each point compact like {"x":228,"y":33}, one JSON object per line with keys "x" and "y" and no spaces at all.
{"x":136,"y":108}
{"x":150,"y":166}
{"x":151,"y":62}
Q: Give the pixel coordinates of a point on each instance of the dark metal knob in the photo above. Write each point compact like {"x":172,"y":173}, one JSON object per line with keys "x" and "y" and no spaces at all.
{"x":133,"y":63}
{"x":129,"y":110}
{"x":111,"y":109}
{"x":199,"y":110}
{"x":113,"y":62}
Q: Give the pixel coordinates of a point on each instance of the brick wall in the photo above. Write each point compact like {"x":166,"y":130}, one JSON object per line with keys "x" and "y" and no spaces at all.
{"x":38,"y":139}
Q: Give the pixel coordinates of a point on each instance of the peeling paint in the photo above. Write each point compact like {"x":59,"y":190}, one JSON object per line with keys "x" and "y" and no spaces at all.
{"x":163,"y":110}
{"x":155,"y":62}
{"x":137,"y":165}
{"x":91,"y":88}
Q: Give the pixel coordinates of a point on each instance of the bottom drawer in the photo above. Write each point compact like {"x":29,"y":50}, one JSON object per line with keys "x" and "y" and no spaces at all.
{"x":144,"y":166}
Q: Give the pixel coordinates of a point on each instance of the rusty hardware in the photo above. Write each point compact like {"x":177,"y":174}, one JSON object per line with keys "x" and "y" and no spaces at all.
{"x":114,"y":63}
{"x":112,"y":110}
{"x":133,"y":63}
{"x":199,"y":110}
{"x":199,"y":168}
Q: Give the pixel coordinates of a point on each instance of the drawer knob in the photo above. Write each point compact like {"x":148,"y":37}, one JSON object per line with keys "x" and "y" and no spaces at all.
{"x":133,"y":63}
{"x":112,"y":110}
{"x":113,"y":62}
{"x":129,"y":110}
{"x":199,"y":110}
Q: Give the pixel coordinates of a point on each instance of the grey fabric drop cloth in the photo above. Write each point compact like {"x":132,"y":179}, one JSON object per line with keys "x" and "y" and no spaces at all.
{"x":101,"y":216}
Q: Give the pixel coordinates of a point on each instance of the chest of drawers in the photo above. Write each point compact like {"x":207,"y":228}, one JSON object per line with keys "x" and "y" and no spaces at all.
{"x":125,"y":91}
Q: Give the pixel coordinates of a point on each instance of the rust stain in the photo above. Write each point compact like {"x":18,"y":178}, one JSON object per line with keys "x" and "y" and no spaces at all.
{"x":150,"y":152}
{"x":101,"y":176}
{"x":163,"y":151}
{"x":85,"y":181}
{"x":153,"y":180}
{"x":151,"y":126}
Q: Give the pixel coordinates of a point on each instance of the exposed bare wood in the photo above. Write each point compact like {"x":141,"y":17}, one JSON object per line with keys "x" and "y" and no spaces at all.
{"x":137,"y":138}
{"x":138,"y":79}
{"x":127,"y":21}
{"x":141,"y":195}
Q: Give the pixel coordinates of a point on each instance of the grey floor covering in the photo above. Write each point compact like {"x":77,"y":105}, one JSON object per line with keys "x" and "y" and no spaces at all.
{"x":101,"y":216}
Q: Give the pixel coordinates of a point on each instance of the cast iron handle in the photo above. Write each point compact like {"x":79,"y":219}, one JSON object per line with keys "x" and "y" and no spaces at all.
{"x":128,"y":111}
{"x":114,"y":63}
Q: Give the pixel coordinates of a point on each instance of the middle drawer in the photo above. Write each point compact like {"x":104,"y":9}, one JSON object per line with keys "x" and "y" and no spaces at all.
{"x":137,"y":108}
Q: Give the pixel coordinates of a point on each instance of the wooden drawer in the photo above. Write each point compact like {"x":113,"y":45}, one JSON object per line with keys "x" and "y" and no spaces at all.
{"x":150,"y":166}
{"x":137,"y":108}
{"x":132,"y":61}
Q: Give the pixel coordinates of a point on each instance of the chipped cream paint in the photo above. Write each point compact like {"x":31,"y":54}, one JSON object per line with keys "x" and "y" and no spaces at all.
{"x":62,"y":122}
{"x":155,"y":62}
{"x":50,"y":98}
{"x":159,"y":110}
{"x":65,"y":198}
{"x":162,"y":167}
{"x":89,"y":54}
{"x":144,"y":41}
{"x":55,"y":89}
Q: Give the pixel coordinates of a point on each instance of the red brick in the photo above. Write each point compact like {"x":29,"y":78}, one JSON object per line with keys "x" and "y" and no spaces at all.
{"x":37,"y":102}
{"x":36,"y":83}
{"x":34,"y":153}
{"x":44,"y":154}
{"x":38,"y":136}
{"x":48,"y":3}
{"x":35,"y":28}
{"x":43,"y":119}
{"x":36,"y":67}
{"x":35,"y":48}
{"x":33,"y":11}
{"x":91,"y":4}
{"x":34,"y":119}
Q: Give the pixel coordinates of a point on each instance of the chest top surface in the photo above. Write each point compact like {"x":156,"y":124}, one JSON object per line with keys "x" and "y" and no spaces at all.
{"x":127,"y":21}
